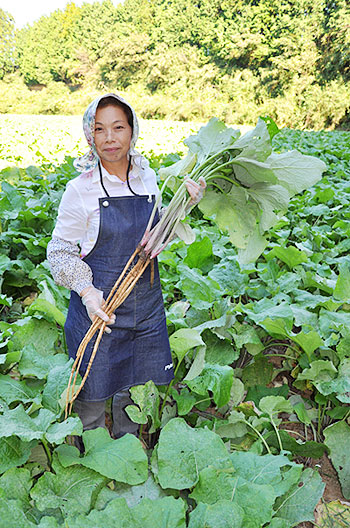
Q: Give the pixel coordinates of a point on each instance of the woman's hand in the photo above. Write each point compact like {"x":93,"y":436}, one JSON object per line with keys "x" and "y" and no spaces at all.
{"x":92,"y":299}
{"x":195,"y":190}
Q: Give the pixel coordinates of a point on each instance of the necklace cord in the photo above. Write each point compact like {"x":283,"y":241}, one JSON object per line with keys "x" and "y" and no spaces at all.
{"x":127,"y":180}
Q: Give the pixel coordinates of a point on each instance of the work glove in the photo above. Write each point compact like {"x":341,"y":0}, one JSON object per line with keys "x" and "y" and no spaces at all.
{"x":93,"y":302}
{"x":195,"y":190}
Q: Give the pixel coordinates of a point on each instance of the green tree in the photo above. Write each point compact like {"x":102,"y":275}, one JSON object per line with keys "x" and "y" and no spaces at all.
{"x":7,"y":43}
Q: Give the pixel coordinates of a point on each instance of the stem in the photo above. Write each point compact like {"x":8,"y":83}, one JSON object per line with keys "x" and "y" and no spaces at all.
{"x":47,"y":451}
{"x":277,"y":433}
{"x":260,"y":436}
{"x":168,"y":389}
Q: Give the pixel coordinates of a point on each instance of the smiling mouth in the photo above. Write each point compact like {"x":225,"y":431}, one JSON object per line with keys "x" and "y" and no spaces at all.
{"x":111,"y":149}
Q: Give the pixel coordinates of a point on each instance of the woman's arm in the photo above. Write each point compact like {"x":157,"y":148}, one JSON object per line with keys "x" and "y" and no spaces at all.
{"x":67,"y":268}
{"x":63,"y":252}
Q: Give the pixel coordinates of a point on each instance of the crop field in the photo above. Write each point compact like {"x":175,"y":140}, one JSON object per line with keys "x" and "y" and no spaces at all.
{"x":254,"y":432}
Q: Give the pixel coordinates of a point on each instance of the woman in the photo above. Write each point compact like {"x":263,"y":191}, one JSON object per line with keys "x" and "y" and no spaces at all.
{"x":105,"y":210}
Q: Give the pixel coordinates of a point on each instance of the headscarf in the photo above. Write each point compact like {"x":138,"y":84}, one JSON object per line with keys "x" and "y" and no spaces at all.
{"x":90,"y":160}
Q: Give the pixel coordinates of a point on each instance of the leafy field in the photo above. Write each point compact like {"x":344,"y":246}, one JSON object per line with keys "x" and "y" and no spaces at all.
{"x":262,"y":360}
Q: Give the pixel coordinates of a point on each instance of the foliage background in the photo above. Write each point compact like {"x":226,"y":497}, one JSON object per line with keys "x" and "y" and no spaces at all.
{"x":182,"y":59}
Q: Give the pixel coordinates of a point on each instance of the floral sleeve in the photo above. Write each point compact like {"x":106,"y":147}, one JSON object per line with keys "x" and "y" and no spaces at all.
{"x":67,"y":268}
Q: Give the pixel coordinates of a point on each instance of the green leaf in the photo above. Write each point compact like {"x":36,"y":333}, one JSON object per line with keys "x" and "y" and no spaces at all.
{"x":222,"y":514}
{"x":211,"y":138}
{"x":12,"y":514}
{"x":306,"y":449}
{"x":267,"y":469}
{"x":146,"y":398}
{"x":115,"y":515}
{"x":342,"y":287}
{"x":200,"y":255}
{"x":168,"y":511}
{"x":70,"y":490}
{"x":256,"y":143}
{"x":260,"y":372}
{"x":184,"y":399}
{"x":184,"y":340}
{"x":134,"y":494}
{"x":34,"y":364}
{"x":17,"y":422}
{"x":232,"y":213}
{"x":12,"y":390}
{"x":183,"y":452}
{"x":337,"y":437}
{"x":299,"y":503}
{"x":49,"y":309}
{"x":13,"y":452}
{"x":37,"y":332}
{"x":295,"y":171}
{"x":215,"y":378}
{"x":57,"y":432}
{"x":57,"y":382}
{"x":273,"y":405}
{"x":17,"y":483}
{"x":246,"y":335}
{"x":198,"y":364}
{"x":123,"y":460}
{"x":250,"y":171}
{"x":340,"y":385}
{"x":200,"y":291}
{"x":290,"y":255}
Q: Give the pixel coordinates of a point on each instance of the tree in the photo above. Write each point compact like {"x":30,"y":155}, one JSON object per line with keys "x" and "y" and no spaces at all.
{"x":7,"y":43}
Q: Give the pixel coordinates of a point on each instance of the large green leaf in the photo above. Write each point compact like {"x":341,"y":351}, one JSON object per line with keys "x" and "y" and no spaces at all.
{"x":232,"y":213}
{"x":340,"y":385}
{"x":115,"y":515}
{"x":37,"y":332}
{"x":13,"y":452}
{"x":123,"y":460}
{"x":134,"y":494}
{"x":211,"y":138}
{"x":200,"y":291}
{"x":296,"y":171}
{"x":34,"y":364}
{"x":168,"y":511}
{"x":184,"y":340}
{"x":18,"y":422}
{"x":200,"y":255}
{"x":342,"y":287}
{"x":266,"y":469}
{"x":146,"y":398}
{"x":299,"y":503}
{"x":70,"y":489}
{"x":12,"y":390}
{"x":12,"y":514}
{"x":17,"y":483}
{"x":57,"y":382}
{"x":57,"y":432}
{"x":222,"y":514}
{"x":183,"y":452}
{"x":256,"y":500}
{"x":215,"y":378}
{"x":337,"y":438}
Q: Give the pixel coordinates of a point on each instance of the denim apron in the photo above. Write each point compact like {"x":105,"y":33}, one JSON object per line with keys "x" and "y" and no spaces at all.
{"x":137,"y":350}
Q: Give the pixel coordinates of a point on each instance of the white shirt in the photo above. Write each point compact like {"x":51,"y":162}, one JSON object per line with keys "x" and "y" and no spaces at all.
{"x":78,"y":213}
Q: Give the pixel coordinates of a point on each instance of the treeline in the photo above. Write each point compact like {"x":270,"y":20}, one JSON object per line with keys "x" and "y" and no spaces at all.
{"x":186,"y":59}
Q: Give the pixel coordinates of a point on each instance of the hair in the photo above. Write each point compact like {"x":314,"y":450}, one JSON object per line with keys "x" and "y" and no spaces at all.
{"x":112,"y":101}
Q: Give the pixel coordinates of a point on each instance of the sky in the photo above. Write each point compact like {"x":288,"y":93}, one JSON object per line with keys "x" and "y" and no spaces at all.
{"x":27,"y":11}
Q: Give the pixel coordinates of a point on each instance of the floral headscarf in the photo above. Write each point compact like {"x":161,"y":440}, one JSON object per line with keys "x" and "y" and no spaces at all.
{"x":90,"y":160}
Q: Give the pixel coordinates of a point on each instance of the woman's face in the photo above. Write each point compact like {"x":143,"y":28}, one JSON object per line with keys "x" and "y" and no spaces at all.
{"x":112,"y":134}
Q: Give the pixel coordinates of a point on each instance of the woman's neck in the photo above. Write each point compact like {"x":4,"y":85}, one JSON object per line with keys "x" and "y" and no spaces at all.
{"x":117,"y":168}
